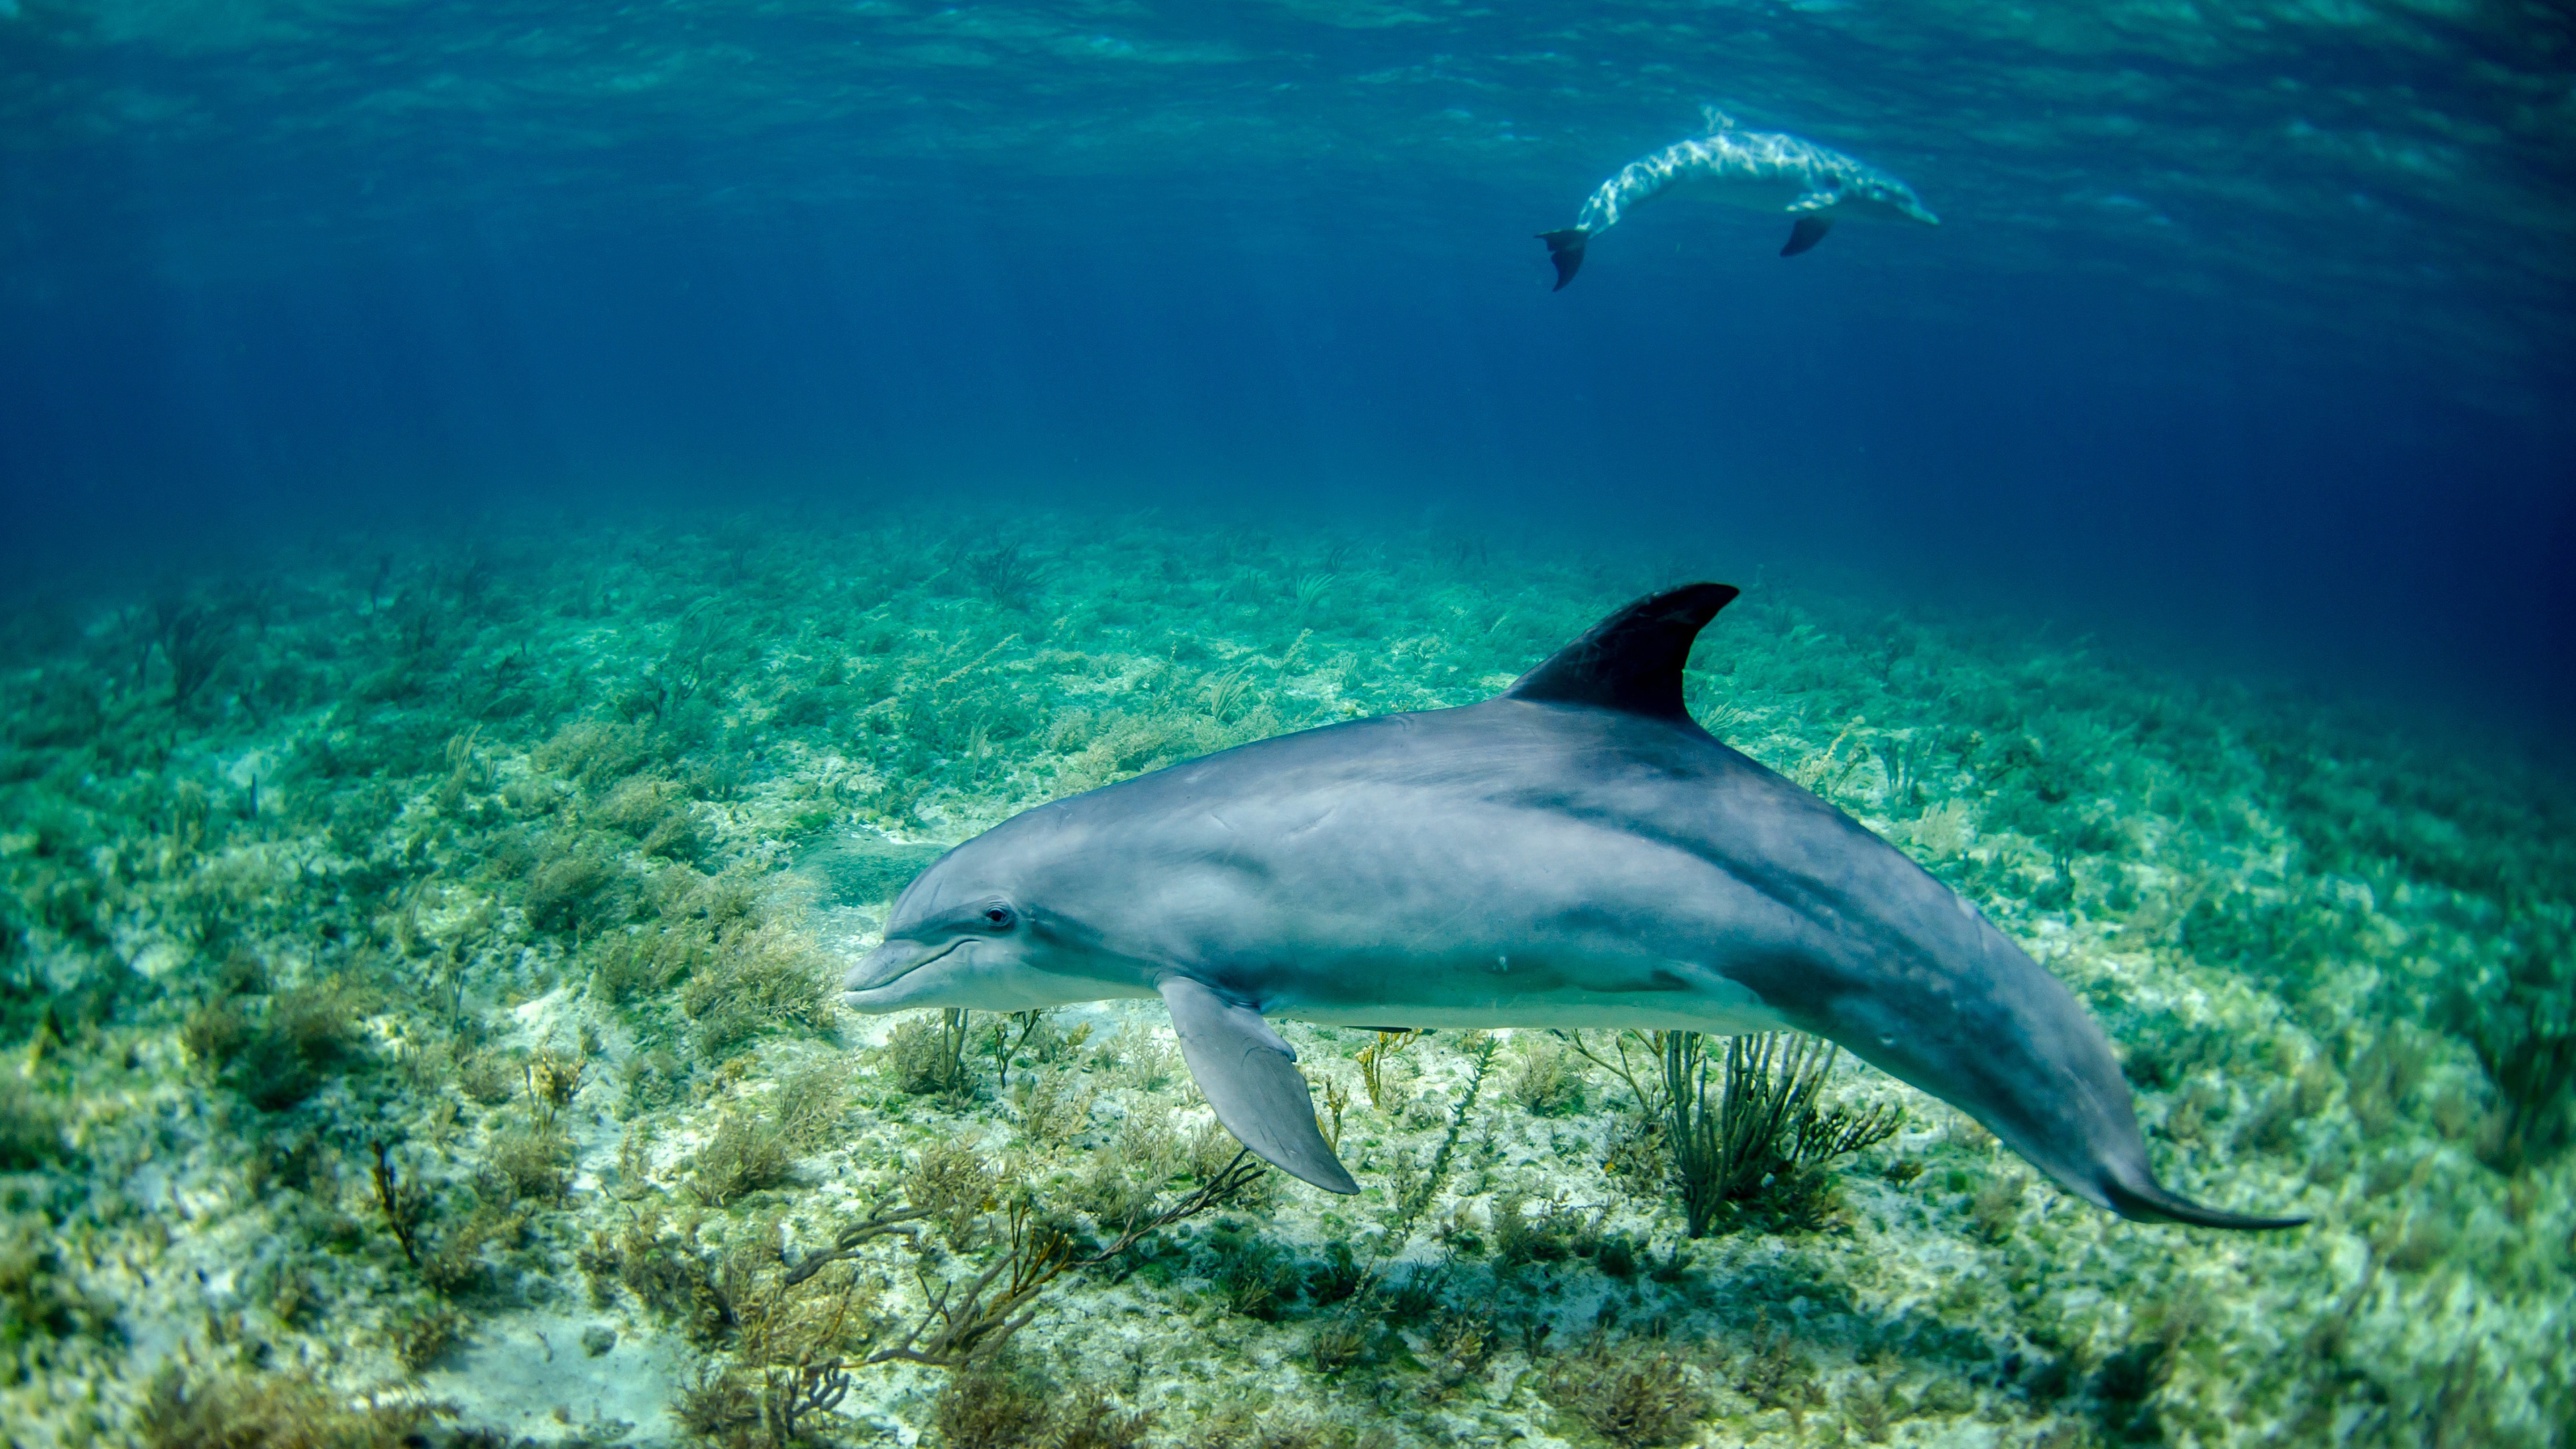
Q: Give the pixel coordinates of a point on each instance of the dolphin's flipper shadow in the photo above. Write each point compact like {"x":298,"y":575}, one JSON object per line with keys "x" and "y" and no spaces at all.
{"x":1250,"y":1077}
{"x":1806,"y":232}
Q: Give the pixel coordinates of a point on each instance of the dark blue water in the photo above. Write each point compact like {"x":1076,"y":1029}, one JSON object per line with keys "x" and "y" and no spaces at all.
{"x":2251,"y":342}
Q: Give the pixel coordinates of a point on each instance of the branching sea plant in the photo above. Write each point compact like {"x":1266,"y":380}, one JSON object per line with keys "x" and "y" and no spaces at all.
{"x":1543,"y":1082}
{"x":1632,"y":1401}
{"x":1007,"y":575}
{"x":793,"y":1351}
{"x":1635,"y":1058}
{"x":2532,"y":1062}
{"x":278,"y":1057}
{"x":1008,"y":1033}
{"x":1903,"y":758}
{"x":191,"y":1409}
{"x":882,"y":1221}
{"x":404,"y":1204}
{"x":1337,"y":1100}
{"x":928,"y":1058}
{"x":31,"y":1127}
{"x":193,"y":640}
{"x":1479,"y":1047}
{"x":1764,"y":1128}
{"x":746,"y":1154}
{"x":954,"y":1181}
{"x":704,"y":643}
{"x":2533,"y":1069}
{"x":1310,"y":591}
{"x":1376,"y":1059}
{"x":1053,"y":1106}
{"x":760,"y":979}
{"x":969,"y":1321}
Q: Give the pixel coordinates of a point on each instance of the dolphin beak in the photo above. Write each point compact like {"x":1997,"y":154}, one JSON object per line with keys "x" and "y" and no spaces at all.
{"x":890,"y":963}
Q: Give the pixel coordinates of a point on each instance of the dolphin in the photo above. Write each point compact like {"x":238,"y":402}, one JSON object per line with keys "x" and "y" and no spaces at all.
{"x":1574,"y":852}
{"x":1762,"y":170}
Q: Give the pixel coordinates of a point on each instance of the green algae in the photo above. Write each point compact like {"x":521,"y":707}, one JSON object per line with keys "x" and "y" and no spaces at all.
{"x":417,"y":972}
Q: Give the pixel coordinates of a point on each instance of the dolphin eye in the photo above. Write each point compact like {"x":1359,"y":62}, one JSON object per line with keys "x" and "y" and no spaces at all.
{"x":999,"y":917}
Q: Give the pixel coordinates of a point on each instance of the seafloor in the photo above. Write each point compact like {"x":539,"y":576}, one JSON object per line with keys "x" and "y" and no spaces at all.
{"x":415,"y":966}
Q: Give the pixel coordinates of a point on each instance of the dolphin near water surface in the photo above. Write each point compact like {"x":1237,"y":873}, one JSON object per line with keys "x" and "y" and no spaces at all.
{"x":1575,"y":852}
{"x":1762,"y":170}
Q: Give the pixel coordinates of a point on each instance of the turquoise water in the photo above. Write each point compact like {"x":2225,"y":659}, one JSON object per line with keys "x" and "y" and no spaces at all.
{"x":2232,"y":312}
{"x":523,"y":527}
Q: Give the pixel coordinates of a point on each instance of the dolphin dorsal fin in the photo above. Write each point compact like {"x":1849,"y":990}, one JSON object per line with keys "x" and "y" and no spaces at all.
{"x":1631,"y":661}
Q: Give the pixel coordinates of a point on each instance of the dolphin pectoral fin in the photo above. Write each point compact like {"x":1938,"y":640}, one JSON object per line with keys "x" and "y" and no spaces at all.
{"x":1565,"y":248}
{"x":1808,"y":231}
{"x":2152,"y":1203}
{"x":1250,"y":1077}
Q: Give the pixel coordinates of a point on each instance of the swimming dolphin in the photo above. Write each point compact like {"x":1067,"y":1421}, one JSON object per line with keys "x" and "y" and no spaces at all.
{"x":1762,"y":170}
{"x":1575,"y":852}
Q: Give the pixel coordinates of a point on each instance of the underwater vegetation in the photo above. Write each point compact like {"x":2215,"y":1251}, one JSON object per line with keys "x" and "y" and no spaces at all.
{"x":417,"y":963}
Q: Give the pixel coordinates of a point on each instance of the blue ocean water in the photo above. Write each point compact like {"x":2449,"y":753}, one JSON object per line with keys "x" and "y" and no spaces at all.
{"x":2248,"y":328}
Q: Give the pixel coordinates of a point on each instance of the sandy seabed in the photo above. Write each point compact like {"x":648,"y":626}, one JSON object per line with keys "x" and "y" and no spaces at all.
{"x":416,"y":975}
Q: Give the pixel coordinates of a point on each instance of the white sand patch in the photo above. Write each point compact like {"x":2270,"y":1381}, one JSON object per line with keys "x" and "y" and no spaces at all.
{"x":537,"y":1375}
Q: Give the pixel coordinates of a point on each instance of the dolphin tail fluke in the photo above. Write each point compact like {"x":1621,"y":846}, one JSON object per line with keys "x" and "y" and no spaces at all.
{"x":1565,"y":248}
{"x":1250,"y":1077}
{"x":2149,"y":1202}
{"x":1807,"y":231}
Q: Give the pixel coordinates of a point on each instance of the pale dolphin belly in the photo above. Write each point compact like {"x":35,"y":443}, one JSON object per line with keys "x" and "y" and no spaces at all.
{"x":1701,"y":1013}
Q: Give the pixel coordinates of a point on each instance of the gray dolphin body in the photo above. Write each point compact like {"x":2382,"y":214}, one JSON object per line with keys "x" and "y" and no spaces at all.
{"x":1761,"y":170}
{"x":1575,"y":852}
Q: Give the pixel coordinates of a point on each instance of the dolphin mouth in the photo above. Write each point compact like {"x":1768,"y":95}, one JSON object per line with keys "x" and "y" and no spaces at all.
{"x":892,"y":962}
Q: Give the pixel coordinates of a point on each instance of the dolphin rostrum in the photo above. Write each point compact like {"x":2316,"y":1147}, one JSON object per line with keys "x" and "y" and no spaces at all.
{"x":1575,"y":852}
{"x":1762,"y":170}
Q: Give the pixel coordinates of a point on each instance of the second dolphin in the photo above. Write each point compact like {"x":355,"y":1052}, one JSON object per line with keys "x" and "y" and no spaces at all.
{"x":1763,"y":170}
